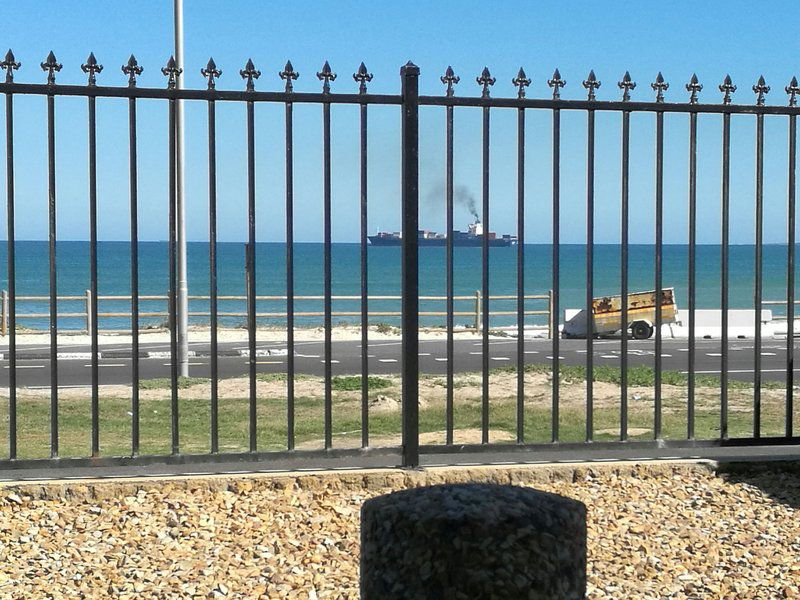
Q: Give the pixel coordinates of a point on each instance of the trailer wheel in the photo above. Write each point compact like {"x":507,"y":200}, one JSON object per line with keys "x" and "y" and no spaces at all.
{"x":641,"y":330}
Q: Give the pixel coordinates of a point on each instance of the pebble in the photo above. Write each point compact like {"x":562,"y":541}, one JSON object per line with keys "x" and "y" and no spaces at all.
{"x":652,"y":533}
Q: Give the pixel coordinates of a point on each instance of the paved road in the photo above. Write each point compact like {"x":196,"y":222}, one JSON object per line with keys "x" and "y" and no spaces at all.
{"x":33,"y":368}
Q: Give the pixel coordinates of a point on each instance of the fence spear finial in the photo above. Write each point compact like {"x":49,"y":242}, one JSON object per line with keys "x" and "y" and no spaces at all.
{"x":288,"y":74}
{"x":52,"y":66}
{"x":793,"y":90}
{"x":521,"y":81}
{"x":326,"y":76}
{"x":485,"y":80}
{"x":450,"y":79}
{"x":91,"y":67}
{"x":694,"y":87}
{"x":132,"y":69}
{"x":591,"y":84}
{"x":556,"y":82}
{"x":211,"y":72}
{"x":171,"y":71}
{"x":727,"y":88}
{"x":626,"y":85}
{"x":659,"y":86}
{"x":250,"y":74}
{"x":10,"y":65}
{"x":362,"y":77}
{"x":761,"y":89}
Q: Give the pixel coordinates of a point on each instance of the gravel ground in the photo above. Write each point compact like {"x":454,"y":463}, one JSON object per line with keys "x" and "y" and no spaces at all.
{"x":673,"y":530}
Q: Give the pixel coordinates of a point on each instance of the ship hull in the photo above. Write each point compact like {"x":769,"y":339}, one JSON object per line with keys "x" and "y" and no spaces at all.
{"x":476,"y":242}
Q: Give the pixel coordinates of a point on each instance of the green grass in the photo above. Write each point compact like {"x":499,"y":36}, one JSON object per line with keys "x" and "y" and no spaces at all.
{"x":352,"y":383}
{"x":33,"y":415}
{"x":165,"y":383}
{"x":281,"y":377}
{"x":638,"y":376}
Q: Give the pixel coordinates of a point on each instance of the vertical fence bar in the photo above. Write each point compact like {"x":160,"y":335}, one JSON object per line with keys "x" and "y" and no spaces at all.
{"x":51,"y":174}
{"x":364,"y":285}
{"x":290,"y":366}
{"x":92,"y":307}
{"x":556,"y":268}
{"x":625,"y":210}
{"x":251,"y":280}
{"x":485,"y":284}
{"x":450,"y":278}
{"x":173,"y":333}
{"x":659,"y":270}
{"x":726,"y":177}
{"x":590,"y":275}
{"x":409,"y":75}
{"x":757,"y":296}
{"x":326,"y":209}
{"x":520,"y":275}
{"x":692,"y":272}
{"x":134,"y":250}
{"x":12,"y":281}
{"x":212,"y":272}
{"x":790,"y":260}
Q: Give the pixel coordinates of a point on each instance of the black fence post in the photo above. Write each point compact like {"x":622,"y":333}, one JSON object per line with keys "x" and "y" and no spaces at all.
{"x":409,"y":74}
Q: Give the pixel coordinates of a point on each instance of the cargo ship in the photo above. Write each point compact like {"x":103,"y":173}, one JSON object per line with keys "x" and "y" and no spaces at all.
{"x":472,"y":237}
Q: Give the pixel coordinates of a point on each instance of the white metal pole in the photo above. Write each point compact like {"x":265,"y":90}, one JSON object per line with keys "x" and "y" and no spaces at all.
{"x":183,"y":287}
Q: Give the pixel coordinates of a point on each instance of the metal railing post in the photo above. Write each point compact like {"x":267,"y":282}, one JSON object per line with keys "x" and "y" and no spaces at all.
{"x":550,"y":320}
{"x":478,"y":311}
{"x":4,"y":316}
{"x":89,"y":315}
{"x":409,"y":75}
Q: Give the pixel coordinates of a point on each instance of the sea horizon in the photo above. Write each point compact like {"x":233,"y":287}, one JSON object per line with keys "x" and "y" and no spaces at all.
{"x":32,"y":276}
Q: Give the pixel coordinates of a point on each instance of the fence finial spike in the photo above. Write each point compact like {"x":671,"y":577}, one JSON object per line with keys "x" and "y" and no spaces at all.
{"x":211,"y":72}
{"x":250,"y":74}
{"x":659,"y":86}
{"x":727,"y":88}
{"x":793,"y":90}
{"x":52,"y":66}
{"x":288,"y":74}
{"x":362,"y":76}
{"x":485,"y":80}
{"x":556,"y":82}
{"x":132,"y":69}
{"x":626,"y":85}
{"x":761,"y":89}
{"x":326,"y":75}
{"x":694,"y":87}
{"x":591,"y":83}
{"x":450,"y":79}
{"x":10,"y":65}
{"x":92,"y":67}
{"x":171,"y":71}
{"x":521,"y":81}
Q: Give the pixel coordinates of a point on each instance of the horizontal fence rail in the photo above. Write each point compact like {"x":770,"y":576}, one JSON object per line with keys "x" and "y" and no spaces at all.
{"x":409,"y":447}
{"x":90,"y":303}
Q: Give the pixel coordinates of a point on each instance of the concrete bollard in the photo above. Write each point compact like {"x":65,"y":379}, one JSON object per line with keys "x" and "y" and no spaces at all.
{"x":473,"y":541}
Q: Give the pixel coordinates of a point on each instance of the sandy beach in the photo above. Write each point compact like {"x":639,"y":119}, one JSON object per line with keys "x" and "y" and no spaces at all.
{"x":273,"y":334}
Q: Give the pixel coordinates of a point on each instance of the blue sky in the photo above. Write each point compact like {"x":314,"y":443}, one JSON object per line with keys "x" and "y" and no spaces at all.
{"x":679,"y":38}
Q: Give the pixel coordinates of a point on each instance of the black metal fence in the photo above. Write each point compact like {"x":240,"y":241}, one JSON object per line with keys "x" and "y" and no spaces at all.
{"x":409,"y":102}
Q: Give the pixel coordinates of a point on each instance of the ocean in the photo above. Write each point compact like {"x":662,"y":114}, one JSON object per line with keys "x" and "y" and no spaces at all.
{"x":384,"y":277}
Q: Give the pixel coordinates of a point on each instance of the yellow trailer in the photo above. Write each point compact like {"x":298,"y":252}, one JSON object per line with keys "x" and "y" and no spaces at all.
{"x":641,"y":317}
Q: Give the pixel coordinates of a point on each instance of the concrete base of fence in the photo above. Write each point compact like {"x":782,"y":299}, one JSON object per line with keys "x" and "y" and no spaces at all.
{"x":473,"y":541}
